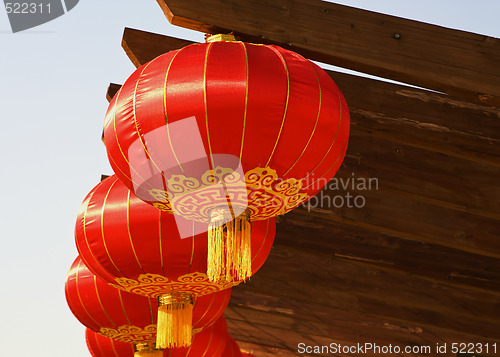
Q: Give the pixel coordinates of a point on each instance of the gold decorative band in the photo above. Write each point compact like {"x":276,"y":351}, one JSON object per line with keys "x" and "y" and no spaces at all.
{"x":155,"y":285}
{"x":260,"y":190}
{"x":130,"y":334}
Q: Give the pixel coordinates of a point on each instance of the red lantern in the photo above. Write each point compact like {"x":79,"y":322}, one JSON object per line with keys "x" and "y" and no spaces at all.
{"x":128,"y":317}
{"x":227,"y":130}
{"x":207,"y":343}
{"x":138,"y":248}
{"x":102,"y":346}
{"x":232,"y":348}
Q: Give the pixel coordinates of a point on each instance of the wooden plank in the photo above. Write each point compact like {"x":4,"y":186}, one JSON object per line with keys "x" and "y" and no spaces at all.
{"x":321,"y":321}
{"x":270,"y":338}
{"x":420,"y":196}
{"x":112,"y":89}
{"x":410,"y":217}
{"x":259,"y":350}
{"x":140,"y":45}
{"x":287,"y":319}
{"x":360,"y":287}
{"x":436,"y":178}
{"x":423,"y":119}
{"x":254,"y":334}
{"x":433,"y":262}
{"x":429,"y":56}
{"x":345,"y":302}
{"x":273,"y":333}
{"x":276,"y":332}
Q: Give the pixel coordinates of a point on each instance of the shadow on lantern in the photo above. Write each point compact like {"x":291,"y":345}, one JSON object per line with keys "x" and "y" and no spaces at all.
{"x":190,"y":176}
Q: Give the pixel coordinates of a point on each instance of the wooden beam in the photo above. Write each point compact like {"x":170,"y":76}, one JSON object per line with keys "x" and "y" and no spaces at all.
{"x":432,"y":262}
{"x":338,"y":298}
{"x":279,"y":313}
{"x":259,"y":350}
{"x":412,"y":217}
{"x":148,"y":43}
{"x":329,"y":300}
{"x":429,"y":56}
{"x":423,"y":119}
{"x":142,"y":46}
{"x":354,"y":286}
{"x":316,"y":320}
{"x":112,"y":89}
{"x":265,"y":340}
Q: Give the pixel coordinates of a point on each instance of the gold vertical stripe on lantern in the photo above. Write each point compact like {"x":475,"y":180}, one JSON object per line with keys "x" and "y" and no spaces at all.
{"x":229,"y":246}
{"x":175,"y":320}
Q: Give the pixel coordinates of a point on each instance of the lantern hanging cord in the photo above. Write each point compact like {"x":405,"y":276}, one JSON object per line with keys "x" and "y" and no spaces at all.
{"x":147,"y":349}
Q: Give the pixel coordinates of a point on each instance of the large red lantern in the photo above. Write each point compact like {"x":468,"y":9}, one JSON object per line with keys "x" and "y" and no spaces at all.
{"x":227,"y":132}
{"x":124,"y":316}
{"x":210,"y":342}
{"x":139,"y":249}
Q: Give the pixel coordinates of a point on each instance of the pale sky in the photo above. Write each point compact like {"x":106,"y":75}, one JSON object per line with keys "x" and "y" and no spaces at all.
{"x":53,"y":80}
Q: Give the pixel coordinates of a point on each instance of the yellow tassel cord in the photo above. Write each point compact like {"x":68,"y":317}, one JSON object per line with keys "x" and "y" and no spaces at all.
{"x":229,"y":246}
{"x":147,"y":350}
{"x":175,"y":320}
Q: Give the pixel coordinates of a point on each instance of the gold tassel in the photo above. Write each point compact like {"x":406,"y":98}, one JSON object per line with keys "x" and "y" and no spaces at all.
{"x":147,"y":350}
{"x":229,"y":246}
{"x":175,"y":320}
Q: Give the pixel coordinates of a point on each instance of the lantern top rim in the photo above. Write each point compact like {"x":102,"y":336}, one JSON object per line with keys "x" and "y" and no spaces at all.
{"x":221,"y":38}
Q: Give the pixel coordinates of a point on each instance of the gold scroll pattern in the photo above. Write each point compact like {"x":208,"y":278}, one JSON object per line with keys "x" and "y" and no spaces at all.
{"x":154,"y":285}
{"x":130,"y":334}
{"x":261,"y":191}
